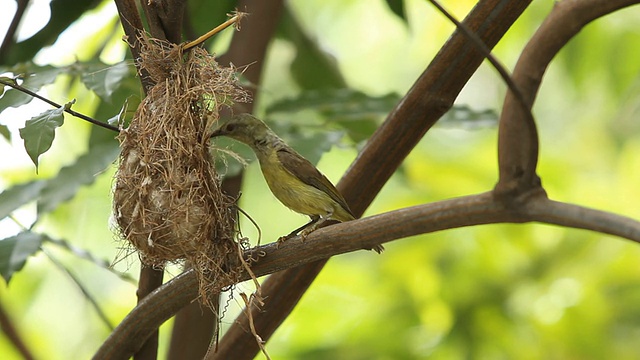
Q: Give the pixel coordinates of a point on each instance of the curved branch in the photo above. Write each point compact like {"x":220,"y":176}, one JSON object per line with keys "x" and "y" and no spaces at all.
{"x":430,"y":97}
{"x":518,"y":138}
{"x":547,"y":211}
{"x":480,"y":209}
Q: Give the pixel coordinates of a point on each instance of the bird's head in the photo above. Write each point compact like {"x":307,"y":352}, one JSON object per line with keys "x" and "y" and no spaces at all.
{"x":244,"y":127}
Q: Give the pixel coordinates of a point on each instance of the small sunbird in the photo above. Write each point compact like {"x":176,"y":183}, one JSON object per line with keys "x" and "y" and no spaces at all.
{"x":291,"y":178}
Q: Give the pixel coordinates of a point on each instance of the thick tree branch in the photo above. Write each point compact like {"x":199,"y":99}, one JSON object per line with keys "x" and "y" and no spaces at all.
{"x":324,"y":243}
{"x":150,"y":280}
{"x":165,"y":18}
{"x":518,"y":138}
{"x":132,"y":26}
{"x":193,"y":329}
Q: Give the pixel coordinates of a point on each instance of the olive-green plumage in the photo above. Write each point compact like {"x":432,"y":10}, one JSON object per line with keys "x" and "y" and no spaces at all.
{"x":291,"y":177}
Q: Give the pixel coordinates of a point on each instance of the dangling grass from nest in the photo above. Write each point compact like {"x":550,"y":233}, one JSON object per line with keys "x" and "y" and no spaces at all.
{"x":167,"y":199}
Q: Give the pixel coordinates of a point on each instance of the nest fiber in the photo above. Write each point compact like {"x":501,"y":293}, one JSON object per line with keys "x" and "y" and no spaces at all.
{"x":167,"y":198}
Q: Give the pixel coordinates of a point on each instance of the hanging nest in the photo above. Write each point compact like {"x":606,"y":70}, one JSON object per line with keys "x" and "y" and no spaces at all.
{"x":167,"y":199}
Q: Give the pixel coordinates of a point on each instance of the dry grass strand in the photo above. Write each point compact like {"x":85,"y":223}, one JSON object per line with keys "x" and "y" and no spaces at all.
{"x":167,"y":199}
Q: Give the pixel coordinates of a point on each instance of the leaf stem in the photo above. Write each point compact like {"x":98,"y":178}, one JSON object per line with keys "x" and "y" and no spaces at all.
{"x":18,"y":87}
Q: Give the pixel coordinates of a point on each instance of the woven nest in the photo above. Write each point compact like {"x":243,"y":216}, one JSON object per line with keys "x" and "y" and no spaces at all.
{"x":167,"y":199}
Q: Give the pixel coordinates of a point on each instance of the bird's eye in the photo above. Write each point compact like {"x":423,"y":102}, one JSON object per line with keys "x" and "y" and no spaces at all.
{"x":229,"y":127}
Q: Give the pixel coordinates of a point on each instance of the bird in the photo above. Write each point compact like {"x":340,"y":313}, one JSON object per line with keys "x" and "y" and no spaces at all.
{"x":292,"y":179}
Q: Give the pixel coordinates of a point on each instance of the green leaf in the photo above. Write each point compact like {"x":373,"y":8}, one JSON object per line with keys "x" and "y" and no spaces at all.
{"x":4,"y":131}
{"x":359,"y":129}
{"x":464,"y":117}
{"x":52,"y":192}
{"x":15,"y":250}
{"x":70,"y":178}
{"x":38,"y":132}
{"x":312,"y":68}
{"x":33,"y":78}
{"x":19,"y":195}
{"x":313,"y":146}
{"x":357,"y":113}
{"x":337,"y":103}
{"x":4,"y":80}
{"x":104,"y":81}
{"x":397,"y":7}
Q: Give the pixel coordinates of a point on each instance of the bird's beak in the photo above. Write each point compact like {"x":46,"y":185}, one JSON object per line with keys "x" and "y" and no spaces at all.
{"x":216,"y":133}
{"x":218,"y":129}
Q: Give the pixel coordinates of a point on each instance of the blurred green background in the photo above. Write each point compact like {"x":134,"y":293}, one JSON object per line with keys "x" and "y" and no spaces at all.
{"x":500,"y":291}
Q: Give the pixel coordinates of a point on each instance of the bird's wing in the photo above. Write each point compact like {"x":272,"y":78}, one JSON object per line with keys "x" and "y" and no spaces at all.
{"x":308,"y":174}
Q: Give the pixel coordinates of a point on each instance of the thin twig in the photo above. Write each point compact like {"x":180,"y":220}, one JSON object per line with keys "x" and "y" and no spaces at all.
{"x":82,"y":288}
{"x":15,"y":85}
{"x":506,"y":76}
{"x":517,"y":137}
{"x":235,"y":19}
{"x":255,"y":224}
{"x":84,"y":254}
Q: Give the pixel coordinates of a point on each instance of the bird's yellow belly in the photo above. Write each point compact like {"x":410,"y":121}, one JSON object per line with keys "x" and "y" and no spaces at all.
{"x":298,"y":196}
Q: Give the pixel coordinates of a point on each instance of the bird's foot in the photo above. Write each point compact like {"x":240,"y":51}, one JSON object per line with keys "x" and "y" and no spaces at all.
{"x":304,"y":233}
{"x":282,"y":239}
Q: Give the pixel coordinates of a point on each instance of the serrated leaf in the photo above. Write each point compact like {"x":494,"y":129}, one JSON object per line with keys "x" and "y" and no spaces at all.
{"x":70,"y":178}
{"x":19,"y":195}
{"x":105,"y":80}
{"x":4,"y":131}
{"x":38,"y":132}
{"x":33,"y":78}
{"x":15,"y":250}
